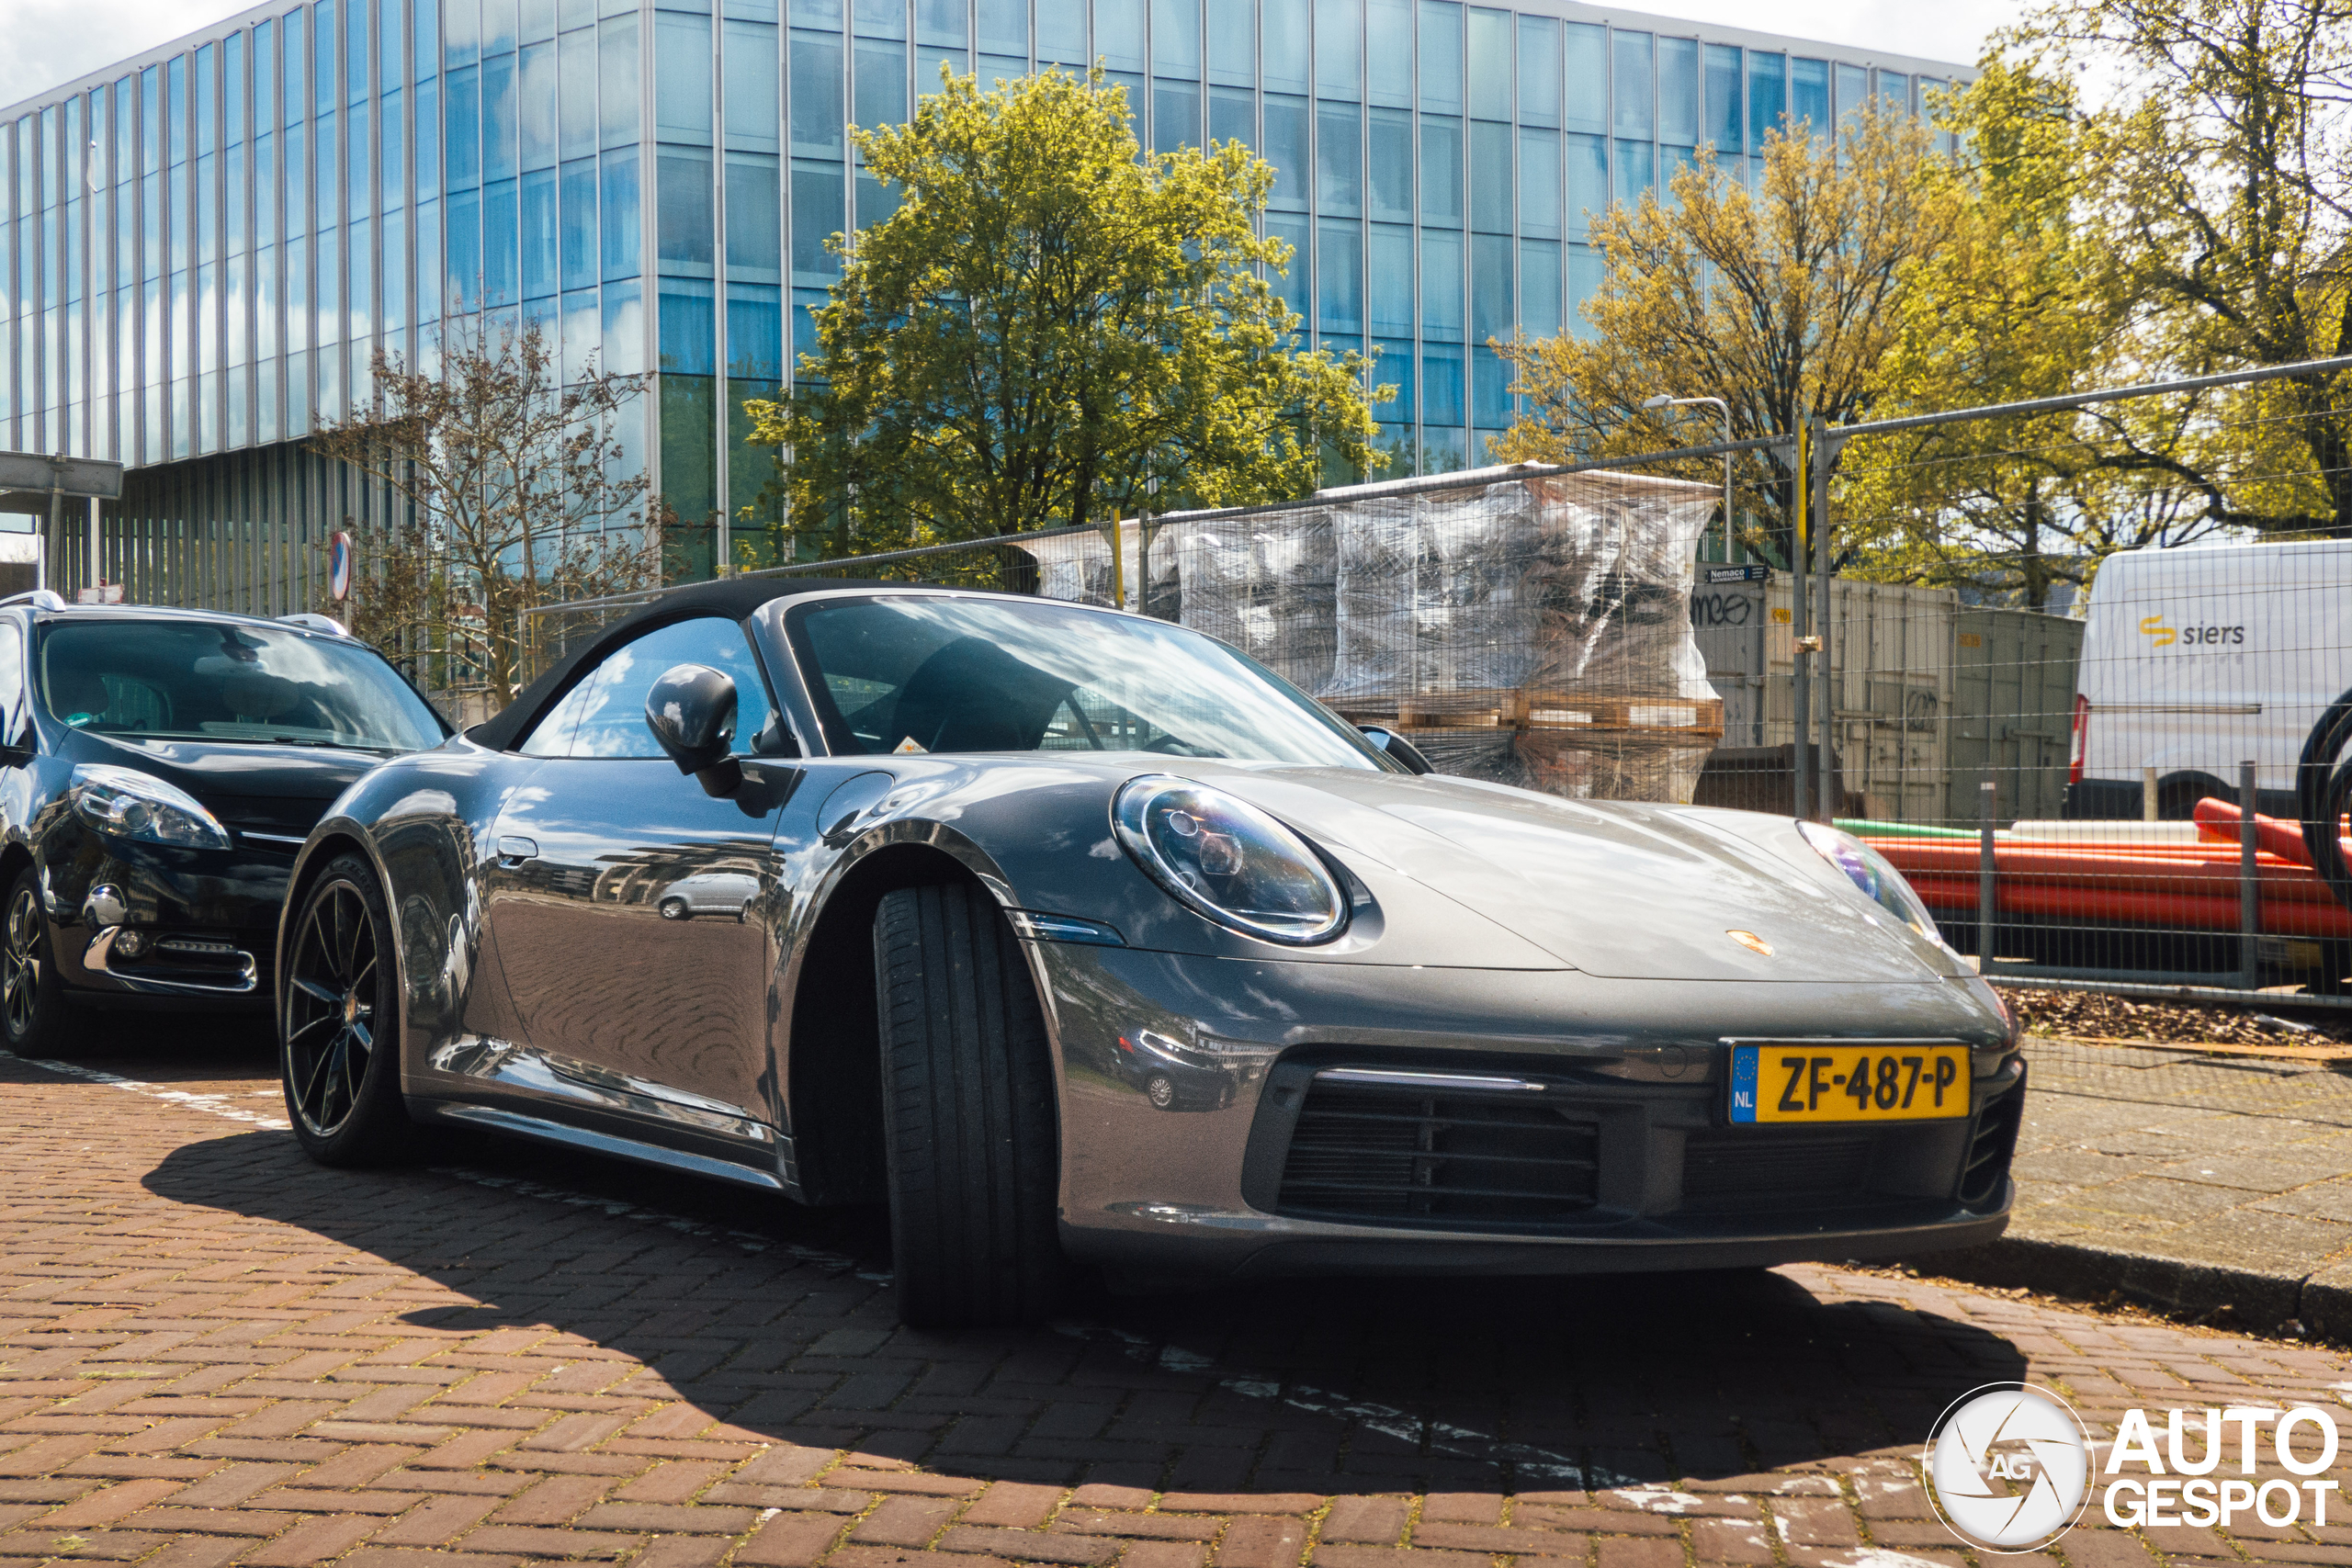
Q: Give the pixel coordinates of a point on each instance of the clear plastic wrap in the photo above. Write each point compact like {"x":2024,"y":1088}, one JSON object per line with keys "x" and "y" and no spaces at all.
{"x":1528,"y":630}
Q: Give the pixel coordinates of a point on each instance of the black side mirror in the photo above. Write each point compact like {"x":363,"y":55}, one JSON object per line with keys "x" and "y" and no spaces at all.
{"x":691,"y":710}
{"x":1400,"y":750}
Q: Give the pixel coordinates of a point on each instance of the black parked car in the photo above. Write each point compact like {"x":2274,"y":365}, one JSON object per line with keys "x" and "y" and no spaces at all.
{"x":158,"y":771}
{"x":1072,"y":934}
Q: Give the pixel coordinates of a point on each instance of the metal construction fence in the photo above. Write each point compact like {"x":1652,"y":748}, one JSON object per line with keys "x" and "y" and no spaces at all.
{"x":2063,"y":663}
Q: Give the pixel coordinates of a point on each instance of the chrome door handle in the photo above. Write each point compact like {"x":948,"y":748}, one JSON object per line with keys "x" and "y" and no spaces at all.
{"x":513,"y":851}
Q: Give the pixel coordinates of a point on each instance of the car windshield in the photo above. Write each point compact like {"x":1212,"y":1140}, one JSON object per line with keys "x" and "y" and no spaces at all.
{"x":951,"y":674}
{"x":215,"y":681}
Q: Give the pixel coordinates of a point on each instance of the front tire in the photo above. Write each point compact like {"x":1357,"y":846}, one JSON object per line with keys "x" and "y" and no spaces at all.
{"x":671,"y":908}
{"x":40,"y":1019}
{"x":339,"y":1023}
{"x":968,"y":1116}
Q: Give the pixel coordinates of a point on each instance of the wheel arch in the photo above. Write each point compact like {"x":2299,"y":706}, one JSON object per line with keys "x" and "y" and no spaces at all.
{"x":830,"y":1063}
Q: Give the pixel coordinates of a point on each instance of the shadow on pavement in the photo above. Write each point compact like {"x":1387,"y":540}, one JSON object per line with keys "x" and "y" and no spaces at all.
{"x":779,"y":1320}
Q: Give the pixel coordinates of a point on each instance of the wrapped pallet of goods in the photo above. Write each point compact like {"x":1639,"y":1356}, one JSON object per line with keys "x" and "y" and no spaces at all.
{"x":1520,"y":628}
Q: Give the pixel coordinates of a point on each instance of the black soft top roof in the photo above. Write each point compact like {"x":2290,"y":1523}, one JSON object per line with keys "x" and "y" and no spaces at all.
{"x":734,"y":597}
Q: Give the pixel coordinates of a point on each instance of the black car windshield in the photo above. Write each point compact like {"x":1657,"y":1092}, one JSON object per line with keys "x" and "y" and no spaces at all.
{"x":953,"y":673}
{"x":216,"y":681}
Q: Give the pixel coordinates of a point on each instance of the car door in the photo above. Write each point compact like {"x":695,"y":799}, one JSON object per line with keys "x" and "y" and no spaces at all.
{"x":627,"y":907}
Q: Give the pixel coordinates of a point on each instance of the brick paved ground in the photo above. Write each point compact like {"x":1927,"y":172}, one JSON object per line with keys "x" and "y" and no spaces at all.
{"x":211,"y":1352}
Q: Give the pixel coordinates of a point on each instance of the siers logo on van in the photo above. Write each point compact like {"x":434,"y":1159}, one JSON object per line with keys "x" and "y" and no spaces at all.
{"x":2162,"y":634}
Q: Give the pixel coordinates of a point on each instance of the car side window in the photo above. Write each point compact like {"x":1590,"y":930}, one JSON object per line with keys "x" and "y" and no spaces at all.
{"x":14,"y":697}
{"x":604,"y":716}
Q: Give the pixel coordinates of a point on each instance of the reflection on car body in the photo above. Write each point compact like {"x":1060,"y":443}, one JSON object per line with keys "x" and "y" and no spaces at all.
{"x":1018,"y":880}
{"x":727,"y":893}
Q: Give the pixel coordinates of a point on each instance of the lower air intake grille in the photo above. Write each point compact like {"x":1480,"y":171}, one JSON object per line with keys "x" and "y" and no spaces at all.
{"x":1744,"y":1170}
{"x":1379,"y":1151}
{"x":1989,"y":1150}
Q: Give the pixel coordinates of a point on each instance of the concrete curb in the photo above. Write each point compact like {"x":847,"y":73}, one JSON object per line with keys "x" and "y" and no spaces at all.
{"x":2247,"y":1299}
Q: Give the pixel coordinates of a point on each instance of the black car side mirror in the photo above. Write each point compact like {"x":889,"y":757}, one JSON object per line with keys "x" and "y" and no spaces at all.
{"x":1400,"y":750}
{"x":691,"y":710}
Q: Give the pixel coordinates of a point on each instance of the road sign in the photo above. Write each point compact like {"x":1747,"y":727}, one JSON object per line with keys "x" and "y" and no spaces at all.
{"x":339,"y":566}
{"x":27,"y":477}
{"x":104,"y":593}
{"x":1712,"y":575}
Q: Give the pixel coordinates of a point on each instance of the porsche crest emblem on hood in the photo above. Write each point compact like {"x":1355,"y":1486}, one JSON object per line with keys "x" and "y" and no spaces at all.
{"x":1751,"y":941}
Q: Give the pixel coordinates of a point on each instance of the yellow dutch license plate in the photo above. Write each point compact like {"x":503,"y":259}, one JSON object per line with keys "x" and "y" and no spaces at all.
{"x":1804,"y":1082}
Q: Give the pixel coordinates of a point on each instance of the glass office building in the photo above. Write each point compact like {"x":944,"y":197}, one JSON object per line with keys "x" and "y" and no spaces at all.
{"x":200,"y":249}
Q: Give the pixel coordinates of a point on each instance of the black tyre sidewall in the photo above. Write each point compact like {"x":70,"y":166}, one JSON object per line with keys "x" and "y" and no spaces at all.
{"x":379,"y":1129}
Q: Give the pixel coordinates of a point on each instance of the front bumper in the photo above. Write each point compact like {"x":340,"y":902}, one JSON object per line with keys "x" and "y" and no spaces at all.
{"x":1613,"y":1154}
{"x":205,"y":919}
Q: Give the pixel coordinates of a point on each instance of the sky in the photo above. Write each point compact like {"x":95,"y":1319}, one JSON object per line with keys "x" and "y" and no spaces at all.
{"x":49,"y":41}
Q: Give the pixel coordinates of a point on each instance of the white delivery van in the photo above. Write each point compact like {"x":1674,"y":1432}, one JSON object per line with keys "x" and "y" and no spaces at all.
{"x":2197,"y":659}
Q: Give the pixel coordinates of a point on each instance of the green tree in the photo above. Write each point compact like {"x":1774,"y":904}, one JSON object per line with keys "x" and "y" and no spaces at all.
{"x":1049,"y":323}
{"x":1781,"y":303}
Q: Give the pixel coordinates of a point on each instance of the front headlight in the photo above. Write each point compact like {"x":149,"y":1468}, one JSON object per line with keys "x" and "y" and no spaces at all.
{"x":1869,"y":871}
{"x":132,"y":805}
{"x":1226,"y":858}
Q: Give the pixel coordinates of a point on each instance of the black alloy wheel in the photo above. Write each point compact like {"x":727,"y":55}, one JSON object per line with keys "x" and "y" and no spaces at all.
{"x":339,"y":1020}
{"x":37,"y":1015}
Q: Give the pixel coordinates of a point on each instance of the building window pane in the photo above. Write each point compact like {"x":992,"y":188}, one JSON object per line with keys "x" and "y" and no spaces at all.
{"x":1293,"y":286}
{"x":1233,"y":116}
{"x":1489,"y":390}
{"x":1539,"y":183}
{"x":1809,"y":96}
{"x":1282,"y":39}
{"x":324,"y":80}
{"x":683,"y":222}
{"x":1636,"y":171}
{"x":1339,"y":277}
{"x":1678,"y":89}
{"x":462,"y":143}
{"x":1539,"y":71}
{"x":1633,"y":115}
{"x":581,"y":334}
{"x":1175,"y":115}
{"x":1118,"y":34}
{"x":1286,"y":149}
{"x":1539,"y":289}
{"x":882,"y":18}
{"x":816,"y":197}
{"x":1004,"y":27}
{"x":359,"y":166}
{"x":1233,"y":42}
{"x":500,"y":26}
{"x":755,"y":336}
{"x":462,"y":33}
{"x":881,"y":83}
{"x":1767,"y":96}
{"x":1441,"y":56}
{"x":394,"y":251}
{"x":625,"y":329}
{"x":1586,"y":273}
{"x":616,"y":68}
{"x":1338,"y":154}
{"x":1441,"y":287}
{"x":940,"y":23}
{"x":355,"y":49}
{"x":499,"y":230}
{"x":577,"y":245}
{"x":1491,"y":63}
{"x":1853,"y":86}
{"x":616,"y":199}
{"x":1392,"y":165}
{"x":748,"y":62}
{"x":538,"y":234}
{"x":755,"y":219}
{"x":1388,"y":52}
{"x":1585,"y":104}
{"x":392,"y":140}
{"x":1441,"y":391}
{"x":576,"y":92}
{"x":689,"y":328}
{"x":1061,"y":32}
{"x":361,"y":298}
{"x":535,"y":107}
{"x":1339,"y":48}
{"x":1491,"y":176}
{"x":1727,"y":119}
{"x":682,"y":77}
{"x":1441,"y":170}
{"x":817,"y":113}
{"x":1176,"y":39}
{"x":1389,"y":255}
{"x":428,"y":262}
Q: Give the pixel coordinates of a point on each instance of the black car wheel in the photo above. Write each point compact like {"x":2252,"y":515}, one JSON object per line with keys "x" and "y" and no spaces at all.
{"x":967,"y":1111}
{"x":339,"y":1023}
{"x":39,"y":1018}
{"x":1161,"y":1089}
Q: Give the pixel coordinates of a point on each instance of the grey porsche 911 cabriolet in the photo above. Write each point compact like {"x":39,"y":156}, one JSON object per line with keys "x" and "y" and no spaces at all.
{"x":1083,"y":940}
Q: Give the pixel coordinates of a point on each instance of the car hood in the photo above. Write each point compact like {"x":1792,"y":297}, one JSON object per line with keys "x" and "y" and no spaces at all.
{"x":1612,"y":888}
{"x":280,"y":788}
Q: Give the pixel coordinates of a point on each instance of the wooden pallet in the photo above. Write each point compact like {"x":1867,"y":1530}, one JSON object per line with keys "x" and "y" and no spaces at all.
{"x":1699,"y":718}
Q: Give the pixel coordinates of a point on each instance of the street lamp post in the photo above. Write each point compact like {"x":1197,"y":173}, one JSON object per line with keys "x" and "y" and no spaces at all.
{"x":1664,"y":402}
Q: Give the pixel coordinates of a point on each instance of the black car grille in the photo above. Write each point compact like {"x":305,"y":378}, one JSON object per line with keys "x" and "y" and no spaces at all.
{"x":1380,"y":1151}
{"x":287,"y":816}
{"x":1738,"y":1170}
{"x":1989,"y":1150}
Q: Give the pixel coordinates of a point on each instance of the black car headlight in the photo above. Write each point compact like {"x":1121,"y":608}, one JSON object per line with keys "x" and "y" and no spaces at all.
{"x":1869,"y":871}
{"x":1226,"y":859}
{"x":132,"y":805}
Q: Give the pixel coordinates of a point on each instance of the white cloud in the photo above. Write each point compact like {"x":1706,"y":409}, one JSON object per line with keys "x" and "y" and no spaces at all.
{"x":50,"y":42}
